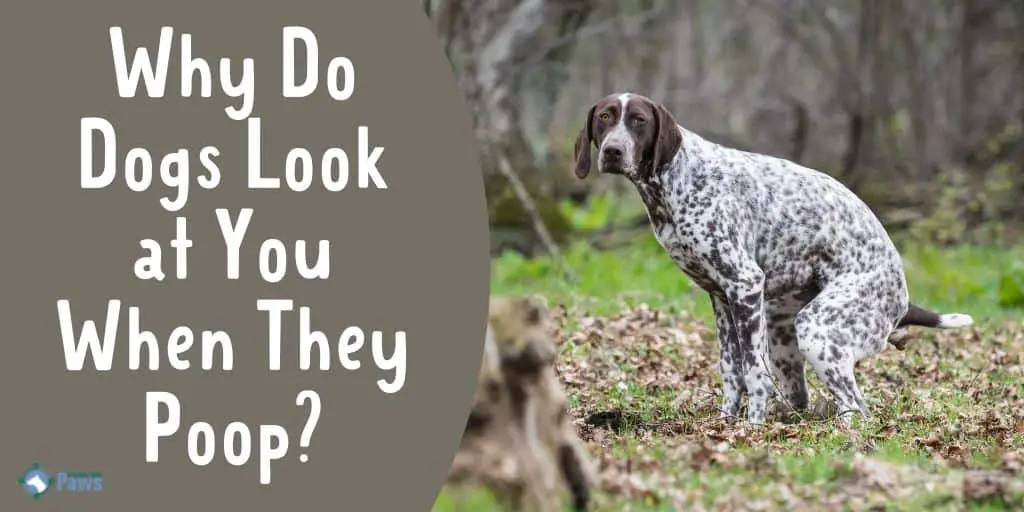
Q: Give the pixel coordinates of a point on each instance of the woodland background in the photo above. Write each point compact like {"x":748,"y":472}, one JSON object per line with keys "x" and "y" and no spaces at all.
{"x":916,"y":105}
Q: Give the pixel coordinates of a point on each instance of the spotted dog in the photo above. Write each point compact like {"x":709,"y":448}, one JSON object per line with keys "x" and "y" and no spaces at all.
{"x":797,"y":267}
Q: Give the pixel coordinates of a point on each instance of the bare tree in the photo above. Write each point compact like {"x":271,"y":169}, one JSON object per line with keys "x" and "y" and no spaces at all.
{"x":887,"y":95}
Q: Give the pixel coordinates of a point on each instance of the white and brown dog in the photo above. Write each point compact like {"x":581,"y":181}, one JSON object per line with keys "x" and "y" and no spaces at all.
{"x":798,"y":268}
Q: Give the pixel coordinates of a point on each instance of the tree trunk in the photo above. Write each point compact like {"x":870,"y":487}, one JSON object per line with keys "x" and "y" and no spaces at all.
{"x":503,"y":45}
{"x":495,"y":47}
{"x":649,"y":58}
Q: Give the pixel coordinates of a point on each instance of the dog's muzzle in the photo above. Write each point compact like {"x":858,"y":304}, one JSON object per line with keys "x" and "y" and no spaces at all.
{"x":612,"y":160}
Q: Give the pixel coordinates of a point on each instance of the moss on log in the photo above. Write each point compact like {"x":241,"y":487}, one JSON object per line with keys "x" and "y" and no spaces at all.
{"x":511,"y":226}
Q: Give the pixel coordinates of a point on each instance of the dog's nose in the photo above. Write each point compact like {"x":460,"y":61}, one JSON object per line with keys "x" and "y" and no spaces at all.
{"x":612,"y":152}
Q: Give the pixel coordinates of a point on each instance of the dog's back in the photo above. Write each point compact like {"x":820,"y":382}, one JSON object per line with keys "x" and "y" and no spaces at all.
{"x":805,"y":227}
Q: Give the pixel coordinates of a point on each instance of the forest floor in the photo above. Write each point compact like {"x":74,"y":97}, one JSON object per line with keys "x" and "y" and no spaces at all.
{"x":638,"y":343}
{"x":947,"y":431}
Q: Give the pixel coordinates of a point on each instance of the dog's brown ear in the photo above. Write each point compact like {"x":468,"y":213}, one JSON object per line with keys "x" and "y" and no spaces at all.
{"x":667,"y":138}
{"x":581,"y":151}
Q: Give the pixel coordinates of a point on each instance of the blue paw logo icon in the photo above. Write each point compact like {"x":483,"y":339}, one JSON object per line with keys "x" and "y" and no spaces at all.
{"x":35,"y":481}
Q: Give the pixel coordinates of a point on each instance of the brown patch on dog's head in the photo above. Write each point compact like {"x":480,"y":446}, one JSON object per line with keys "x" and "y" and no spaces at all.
{"x":633,"y":134}
{"x":581,"y":150}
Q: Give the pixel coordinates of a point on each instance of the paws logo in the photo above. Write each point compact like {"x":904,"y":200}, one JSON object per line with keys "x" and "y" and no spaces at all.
{"x":35,"y":481}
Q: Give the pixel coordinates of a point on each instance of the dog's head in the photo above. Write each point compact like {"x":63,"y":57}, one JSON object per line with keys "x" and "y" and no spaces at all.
{"x":633,"y":135}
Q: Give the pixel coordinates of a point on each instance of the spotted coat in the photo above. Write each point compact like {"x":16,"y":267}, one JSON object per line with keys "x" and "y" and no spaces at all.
{"x":798,"y":268}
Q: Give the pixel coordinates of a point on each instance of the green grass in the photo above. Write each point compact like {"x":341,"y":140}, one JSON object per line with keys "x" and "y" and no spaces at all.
{"x":964,"y":279}
{"x":949,"y":406}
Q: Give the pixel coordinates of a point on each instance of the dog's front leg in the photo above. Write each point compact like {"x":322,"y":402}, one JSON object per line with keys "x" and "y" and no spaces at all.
{"x":730,"y":359}
{"x":745,"y":296}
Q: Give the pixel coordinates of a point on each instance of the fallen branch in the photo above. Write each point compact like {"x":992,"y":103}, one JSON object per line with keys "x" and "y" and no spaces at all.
{"x":530,"y":208}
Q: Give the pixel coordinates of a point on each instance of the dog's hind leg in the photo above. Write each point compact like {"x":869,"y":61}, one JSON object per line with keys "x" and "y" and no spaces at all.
{"x":835,"y":330}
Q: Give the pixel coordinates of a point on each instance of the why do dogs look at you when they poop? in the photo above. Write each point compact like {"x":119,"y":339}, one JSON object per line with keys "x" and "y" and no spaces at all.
{"x":797,"y":267}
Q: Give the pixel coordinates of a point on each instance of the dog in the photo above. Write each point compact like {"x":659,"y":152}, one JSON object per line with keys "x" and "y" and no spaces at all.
{"x":797,"y":267}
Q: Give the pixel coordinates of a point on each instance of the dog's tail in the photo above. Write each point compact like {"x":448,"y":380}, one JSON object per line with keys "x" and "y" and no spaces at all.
{"x":919,"y":316}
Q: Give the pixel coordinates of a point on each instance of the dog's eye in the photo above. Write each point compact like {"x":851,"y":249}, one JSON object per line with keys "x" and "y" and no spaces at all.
{"x":639,"y":121}
{"x":605,"y":116}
